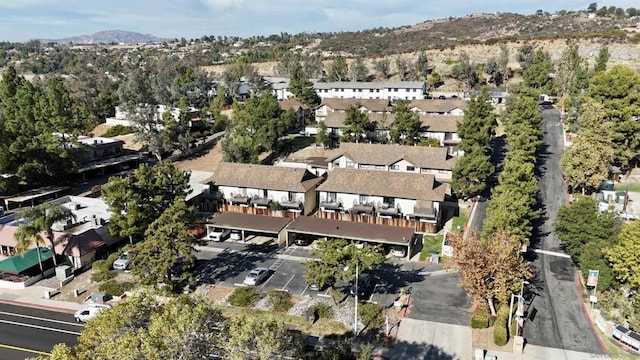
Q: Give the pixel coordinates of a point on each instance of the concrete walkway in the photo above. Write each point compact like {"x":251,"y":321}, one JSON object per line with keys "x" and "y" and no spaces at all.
{"x":33,"y":296}
{"x":428,"y":340}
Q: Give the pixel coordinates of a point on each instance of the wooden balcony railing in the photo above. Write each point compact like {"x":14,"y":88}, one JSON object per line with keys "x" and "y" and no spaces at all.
{"x":417,"y":226}
{"x":257,"y":211}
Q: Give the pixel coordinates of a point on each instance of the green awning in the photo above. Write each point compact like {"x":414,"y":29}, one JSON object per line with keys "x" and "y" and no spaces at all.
{"x":19,"y":263}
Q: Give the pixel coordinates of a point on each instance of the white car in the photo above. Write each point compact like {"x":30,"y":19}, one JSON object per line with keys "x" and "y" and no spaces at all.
{"x":122,"y":262}
{"x":399,"y":251}
{"x":235,"y":235}
{"x":218,"y":234}
{"x":256,"y":276}
{"x":91,"y":311}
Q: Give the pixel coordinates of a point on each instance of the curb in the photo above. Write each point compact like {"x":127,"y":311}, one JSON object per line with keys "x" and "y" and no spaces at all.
{"x":37,"y":306}
{"x":587,"y":313}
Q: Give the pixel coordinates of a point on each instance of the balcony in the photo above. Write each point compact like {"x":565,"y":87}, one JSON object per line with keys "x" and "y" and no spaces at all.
{"x":239,"y":199}
{"x":385,"y":209}
{"x":365,"y":208}
{"x":330,"y":204}
{"x":416,"y":225}
{"x":261,"y":202}
{"x":292,"y":214}
{"x":290,"y":204}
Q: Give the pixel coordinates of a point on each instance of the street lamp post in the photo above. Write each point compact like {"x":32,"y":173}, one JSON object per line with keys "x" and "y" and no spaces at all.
{"x":355,"y":315}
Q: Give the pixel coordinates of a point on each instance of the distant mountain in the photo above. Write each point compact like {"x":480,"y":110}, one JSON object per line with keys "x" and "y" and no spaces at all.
{"x":108,"y":37}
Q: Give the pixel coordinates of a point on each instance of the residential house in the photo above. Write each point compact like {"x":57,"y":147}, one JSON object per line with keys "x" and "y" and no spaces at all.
{"x":333,"y":105}
{"x":389,"y":198}
{"x":301,"y":110}
{"x":444,"y":129}
{"x":381,"y":123}
{"x":435,"y":161}
{"x":398,"y":90}
{"x":80,"y":240}
{"x":497,"y":97}
{"x":279,"y":87}
{"x":100,"y":148}
{"x":453,"y":107}
{"x":266,"y":187}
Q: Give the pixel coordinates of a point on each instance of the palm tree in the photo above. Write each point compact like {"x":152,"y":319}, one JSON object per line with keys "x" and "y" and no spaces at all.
{"x":42,"y":218}
{"x":26,"y":235}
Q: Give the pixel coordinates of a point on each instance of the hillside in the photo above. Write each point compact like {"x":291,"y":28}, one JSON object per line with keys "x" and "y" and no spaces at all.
{"x":477,"y":29}
{"x":108,"y":37}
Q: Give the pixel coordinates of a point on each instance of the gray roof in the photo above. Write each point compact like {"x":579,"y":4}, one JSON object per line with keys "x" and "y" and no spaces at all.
{"x":438,"y":105}
{"x":379,"y":105}
{"x":264,"y":177}
{"x":388,"y":154}
{"x":384,"y":183}
{"x":370,"y":85}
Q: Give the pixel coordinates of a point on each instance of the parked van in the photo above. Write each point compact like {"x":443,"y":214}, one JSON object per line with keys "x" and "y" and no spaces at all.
{"x":91,"y":311}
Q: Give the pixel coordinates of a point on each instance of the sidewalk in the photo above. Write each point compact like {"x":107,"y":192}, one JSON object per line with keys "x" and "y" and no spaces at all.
{"x":33,"y":296}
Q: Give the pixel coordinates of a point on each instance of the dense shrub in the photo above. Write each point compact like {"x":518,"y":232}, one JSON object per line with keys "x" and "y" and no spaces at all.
{"x":280,"y":300}
{"x":322,"y":310}
{"x":244,"y":296}
{"x":500,"y":331}
{"x":371,"y":315}
{"x":480,"y":319}
{"x":101,"y":271}
{"x":118,"y":130}
{"x":115,"y":288}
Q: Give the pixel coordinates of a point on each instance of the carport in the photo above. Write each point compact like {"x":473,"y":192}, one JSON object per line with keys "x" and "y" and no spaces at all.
{"x":381,"y":234}
{"x":256,"y":223}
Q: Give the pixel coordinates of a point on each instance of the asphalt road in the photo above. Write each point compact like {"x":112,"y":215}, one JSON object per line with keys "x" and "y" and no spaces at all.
{"x":435,"y":297}
{"x":28,"y":332}
{"x":557,"y":317}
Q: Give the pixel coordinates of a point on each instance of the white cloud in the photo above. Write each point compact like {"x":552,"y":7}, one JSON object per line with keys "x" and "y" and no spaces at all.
{"x":223,"y":4}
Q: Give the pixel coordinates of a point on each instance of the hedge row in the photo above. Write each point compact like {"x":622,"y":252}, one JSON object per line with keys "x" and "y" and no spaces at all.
{"x":500,"y":330}
{"x":480,"y":319}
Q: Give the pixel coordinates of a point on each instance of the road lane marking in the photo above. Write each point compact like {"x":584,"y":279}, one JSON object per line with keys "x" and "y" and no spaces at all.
{"x":551,"y":253}
{"x":18,"y":348}
{"x":39,"y":327}
{"x":305,"y":290}
{"x":41,"y":319}
{"x":285,"y":285}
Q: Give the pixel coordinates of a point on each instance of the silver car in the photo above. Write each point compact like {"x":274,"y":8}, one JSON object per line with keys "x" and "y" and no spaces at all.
{"x":256,"y":276}
{"x":122,"y":262}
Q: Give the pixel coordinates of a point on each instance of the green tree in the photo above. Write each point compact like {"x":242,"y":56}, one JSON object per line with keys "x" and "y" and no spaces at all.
{"x":301,"y":87}
{"x":537,"y":75}
{"x":617,"y":91}
{"x":337,"y":70}
{"x":421,"y":68}
{"x":470,"y":173}
{"x":566,"y":73}
{"x":359,"y":70}
{"x":623,"y":256}
{"x":406,"y":125}
{"x":337,"y":261}
{"x":478,"y":123}
{"x":26,"y":235}
{"x":434,"y":80}
{"x":601,"y":60}
{"x":466,"y":71}
{"x":592,"y":8}
{"x":490,"y":269}
{"x":40,"y":219}
{"x":525,"y":56}
{"x":250,"y":337}
{"x":322,"y":137}
{"x":165,"y":244}
{"x":586,"y":163}
{"x":134,"y":204}
{"x":580,"y":224}
{"x":143,"y":328}
{"x":382,"y":68}
{"x":358,"y":124}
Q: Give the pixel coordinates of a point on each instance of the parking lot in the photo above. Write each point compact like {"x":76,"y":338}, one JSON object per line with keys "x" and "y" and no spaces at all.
{"x":435,"y":294}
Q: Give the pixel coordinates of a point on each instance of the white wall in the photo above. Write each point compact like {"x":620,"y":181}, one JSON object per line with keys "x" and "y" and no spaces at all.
{"x":434,"y":135}
{"x":456,"y":112}
{"x":387,"y":93}
{"x":403,"y":166}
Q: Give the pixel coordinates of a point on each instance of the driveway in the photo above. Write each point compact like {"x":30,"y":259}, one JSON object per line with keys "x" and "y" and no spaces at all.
{"x":428,"y":340}
{"x":557,"y":317}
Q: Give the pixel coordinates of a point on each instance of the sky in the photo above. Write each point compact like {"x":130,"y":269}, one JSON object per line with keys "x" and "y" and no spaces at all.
{"x":22,"y":20}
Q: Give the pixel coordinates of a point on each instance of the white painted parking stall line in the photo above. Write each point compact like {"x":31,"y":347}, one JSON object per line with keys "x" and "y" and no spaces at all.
{"x":269,"y":279}
{"x":285,"y":285}
{"x":551,"y":253}
{"x":305,"y":290}
{"x":239,"y":285}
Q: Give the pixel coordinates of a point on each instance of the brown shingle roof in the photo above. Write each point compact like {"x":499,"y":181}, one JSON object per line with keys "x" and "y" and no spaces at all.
{"x":351,"y":230}
{"x":384,"y":183}
{"x":292,"y":104}
{"x":336,"y":119}
{"x":341,"y":104}
{"x":387,"y":154}
{"x":264,"y":177}
{"x":438,"y":105}
{"x":440,"y":123}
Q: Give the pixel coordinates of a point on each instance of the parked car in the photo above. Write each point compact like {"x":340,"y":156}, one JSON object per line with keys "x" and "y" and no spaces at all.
{"x":91,"y":311}
{"x":256,"y":276}
{"x":219,"y":234}
{"x":399,"y":251}
{"x":303,"y":240}
{"x":122,"y":262}
{"x":360,"y":245}
{"x":235,"y":235}
{"x":364,"y":285}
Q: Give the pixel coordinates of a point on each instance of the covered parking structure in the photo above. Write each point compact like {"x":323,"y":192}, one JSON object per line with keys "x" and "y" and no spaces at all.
{"x":350,"y":230}
{"x":253,"y":223}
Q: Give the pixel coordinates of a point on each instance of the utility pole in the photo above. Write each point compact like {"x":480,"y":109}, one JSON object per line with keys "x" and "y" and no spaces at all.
{"x":355,"y":314}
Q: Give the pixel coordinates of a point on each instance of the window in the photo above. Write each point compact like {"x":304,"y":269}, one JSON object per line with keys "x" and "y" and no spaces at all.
{"x":395,"y":90}
{"x":291,"y":196}
{"x":411,"y":168}
{"x":391,"y":202}
{"x":364,"y":199}
{"x":359,"y":90}
{"x":377,"y":90}
{"x":331,"y":197}
{"x":379,"y":167}
{"x":395,"y":167}
{"x":265,"y":193}
{"x":349,"y":164}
